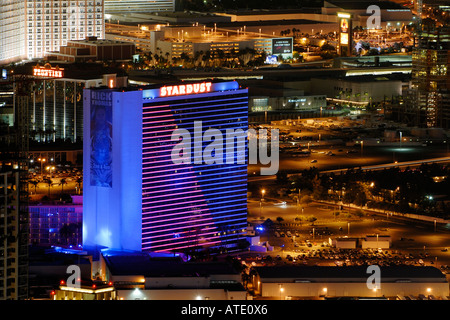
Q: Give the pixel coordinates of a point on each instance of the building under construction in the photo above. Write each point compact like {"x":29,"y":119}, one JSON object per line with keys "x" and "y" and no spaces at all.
{"x":427,"y":102}
{"x":14,"y":229}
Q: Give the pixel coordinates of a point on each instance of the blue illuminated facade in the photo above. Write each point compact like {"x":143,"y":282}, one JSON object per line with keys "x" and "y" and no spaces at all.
{"x":154,"y":203}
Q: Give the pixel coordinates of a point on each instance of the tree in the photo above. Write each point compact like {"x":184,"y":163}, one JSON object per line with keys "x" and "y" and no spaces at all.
{"x":305,"y":200}
{"x":335,"y":214}
{"x":49,"y":183}
{"x":318,"y":189}
{"x":359,"y":213}
{"x":79,"y":182}
{"x":35,"y":184}
{"x":312,"y":219}
{"x":62,"y":182}
{"x":327,"y":47}
{"x":282,"y":178}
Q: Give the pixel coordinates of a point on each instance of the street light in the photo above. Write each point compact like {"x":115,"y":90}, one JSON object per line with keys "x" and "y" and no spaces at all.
{"x":260,"y":202}
{"x":281,"y":290}
{"x":362,"y":147}
{"x":41,"y":160}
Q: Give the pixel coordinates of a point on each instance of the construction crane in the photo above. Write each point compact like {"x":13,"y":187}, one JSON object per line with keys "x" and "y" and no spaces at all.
{"x":419,"y":16}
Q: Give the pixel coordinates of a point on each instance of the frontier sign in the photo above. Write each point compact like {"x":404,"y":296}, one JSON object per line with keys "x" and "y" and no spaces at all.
{"x":48,"y":72}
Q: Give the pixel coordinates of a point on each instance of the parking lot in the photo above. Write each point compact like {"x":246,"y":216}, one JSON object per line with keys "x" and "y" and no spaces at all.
{"x":308,"y":243}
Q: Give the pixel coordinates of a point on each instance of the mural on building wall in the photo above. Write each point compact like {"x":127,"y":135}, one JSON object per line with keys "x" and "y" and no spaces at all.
{"x":101,"y":139}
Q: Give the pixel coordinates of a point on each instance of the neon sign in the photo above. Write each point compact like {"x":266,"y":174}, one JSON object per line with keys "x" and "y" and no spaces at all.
{"x":182,"y":89}
{"x":48,"y":72}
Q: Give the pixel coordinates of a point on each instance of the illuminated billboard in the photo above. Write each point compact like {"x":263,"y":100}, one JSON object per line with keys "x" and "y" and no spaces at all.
{"x":344,"y":25}
{"x":282,"y":45}
{"x":345,"y":34}
{"x":101,"y":139}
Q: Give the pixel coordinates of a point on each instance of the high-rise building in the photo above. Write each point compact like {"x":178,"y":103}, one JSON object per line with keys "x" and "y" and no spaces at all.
{"x":137,"y":193}
{"x":13,"y":236}
{"x":31,"y":28}
{"x":12,"y":31}
{"x":55,"y":99}
{"x":431,"y":78}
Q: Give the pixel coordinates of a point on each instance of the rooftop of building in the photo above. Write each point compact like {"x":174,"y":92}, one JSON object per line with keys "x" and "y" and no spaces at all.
{"x":151,"y":265}
{"x":363,"y":4}
{"x":265,"y":23}
{"x":312,"y":273}
{"x":371,"y":77}
{"x":98,"y":42}
{"x":250,"y":12}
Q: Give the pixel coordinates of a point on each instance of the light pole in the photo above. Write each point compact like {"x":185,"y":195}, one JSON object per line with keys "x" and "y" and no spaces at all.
{"x":260,"y":202}
{"x":377,"y":242}
{"x":41,"y":160}
{"x":362,"y":148}
{"x":281,"y":290}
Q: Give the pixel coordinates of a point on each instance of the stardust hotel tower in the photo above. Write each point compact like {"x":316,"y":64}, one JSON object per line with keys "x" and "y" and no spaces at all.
{"x":136,"y":197}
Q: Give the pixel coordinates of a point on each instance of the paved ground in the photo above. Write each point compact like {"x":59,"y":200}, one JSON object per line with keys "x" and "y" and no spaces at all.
{"x":419,"y":239}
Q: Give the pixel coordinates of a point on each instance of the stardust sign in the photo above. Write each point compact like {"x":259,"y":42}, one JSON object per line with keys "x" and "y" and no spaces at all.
{"x":189,"y":88}
{"x":48,"y":72}
{"x":182,"y":89}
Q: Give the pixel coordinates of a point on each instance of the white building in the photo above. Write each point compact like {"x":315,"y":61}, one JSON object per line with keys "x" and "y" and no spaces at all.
{"x":293,"y":282}
{"x":31,"y":28}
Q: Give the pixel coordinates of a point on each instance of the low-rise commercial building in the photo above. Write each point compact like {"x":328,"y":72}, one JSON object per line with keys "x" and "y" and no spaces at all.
{"x":150,"y":276}
{"x":94,"y":49}
{"x":294,"y":282}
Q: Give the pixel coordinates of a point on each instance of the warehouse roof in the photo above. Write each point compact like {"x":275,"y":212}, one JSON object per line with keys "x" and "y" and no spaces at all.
{"x":331,"y":273}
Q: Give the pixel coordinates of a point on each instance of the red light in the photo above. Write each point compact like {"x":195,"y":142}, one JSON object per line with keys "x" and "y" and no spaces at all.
{"x":53,"y":293}
{"x":61,"y":282}
{"x":110,"y":283}
{"x":94,"y":286}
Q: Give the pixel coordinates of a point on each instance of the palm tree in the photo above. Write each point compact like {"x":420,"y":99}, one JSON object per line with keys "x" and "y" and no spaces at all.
{"x":35,"y":184}
{"x":64,"y":233}
{"x":49,"y":183}
{"x":62,"y":182}
{"x":79,"y":182}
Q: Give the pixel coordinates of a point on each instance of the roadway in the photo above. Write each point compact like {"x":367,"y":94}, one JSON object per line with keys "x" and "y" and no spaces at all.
{"x":371,"y":158}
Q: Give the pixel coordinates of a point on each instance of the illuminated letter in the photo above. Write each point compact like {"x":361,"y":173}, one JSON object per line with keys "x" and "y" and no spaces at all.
{"x":373,"y":281}
{"x":202,"y":87}
{"x":216,"y":147}
{"x":189,"y":88}
{"x":196,"y":87}
{"x":274,"y":151}
{"x":175,"y":90}
{"x":169,"y":90}
{"x":208,"y":86}
{"x":198,"y":142}
{"x":240,"y":150}
{"x":374,"y":21}
{"x":163,"y":92}
{"x":184,"y":146}
{"x":74,"y":279}
{"x":252,"y":136}
{"x":182,"y":89}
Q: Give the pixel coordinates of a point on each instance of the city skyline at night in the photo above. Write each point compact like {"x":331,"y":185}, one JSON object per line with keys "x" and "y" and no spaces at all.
{"x":225,"y":150}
